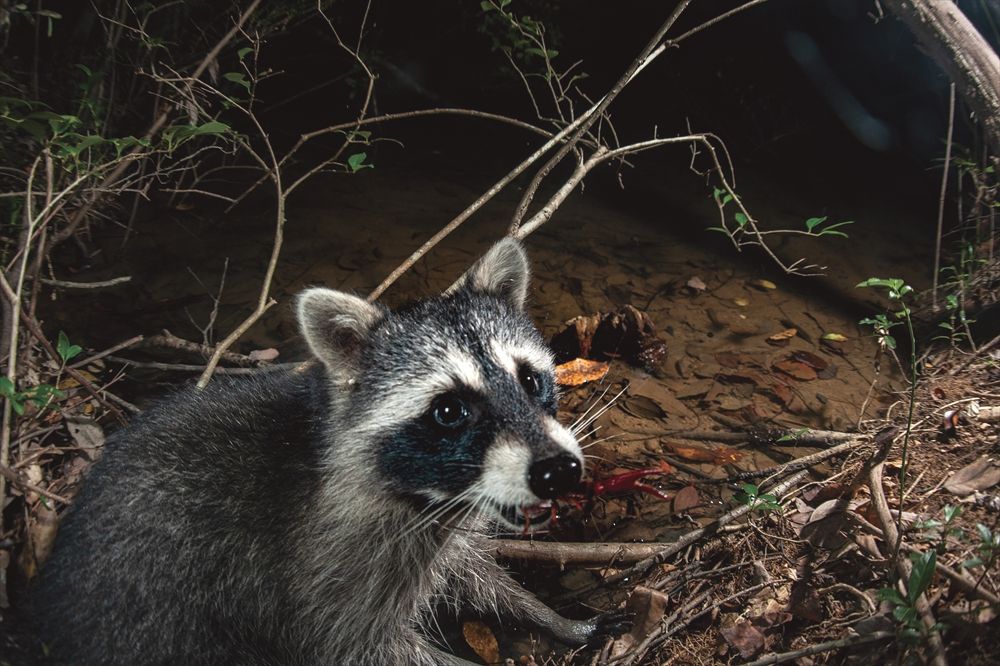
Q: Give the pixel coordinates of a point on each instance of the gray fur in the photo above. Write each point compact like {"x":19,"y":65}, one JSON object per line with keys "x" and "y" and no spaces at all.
{"x":285,"y":518}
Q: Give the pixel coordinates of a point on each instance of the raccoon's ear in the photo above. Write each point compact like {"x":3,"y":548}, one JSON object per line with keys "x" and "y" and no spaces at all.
{"x":502,"y":272}
{"x":336,"y":326}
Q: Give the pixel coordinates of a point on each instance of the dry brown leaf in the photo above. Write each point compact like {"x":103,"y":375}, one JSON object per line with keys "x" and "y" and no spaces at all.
{"x":43,"y":524}
{"x":728,"y":359}
{"x":696,"y":283}
{"x":726,"y":456}
{"x":646,"y":608}
{"x":781,"y":339}
{"x":691,"y":453}
{"x":86,"y":433}
{"x":815,"y":362}
{"x":580,"y":371}
{"x":745,"y":637}
{"x":795,"y":370}
{"x":686,"y":498}
{"x":700,"y":454}
{"x":481,"y":640}
{"x":780,"y":392}
{"x":643,"y":407}
{"x":977,"y":476}
{"x":72,"y":383}
{"x":762,"y":284}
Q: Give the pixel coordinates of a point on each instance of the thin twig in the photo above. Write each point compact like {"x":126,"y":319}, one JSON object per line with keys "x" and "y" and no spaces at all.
{"x":847,"y":642}
{"x":66,"y":284}
{"x":944,"y":190}
{"x":641,"y":568}
{"x":15,"y":478}
{"x":81,"y":213}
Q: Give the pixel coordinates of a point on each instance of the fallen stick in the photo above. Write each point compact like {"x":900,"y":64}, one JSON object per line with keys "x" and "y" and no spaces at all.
{"x":796,"y":464}
{"x":850,"y":641}
{"x":15,"y":478}
{"x":573,"y":554}
{"x":645,"y":565}
{"x":903,"y":565}
{"x":963,"y":582}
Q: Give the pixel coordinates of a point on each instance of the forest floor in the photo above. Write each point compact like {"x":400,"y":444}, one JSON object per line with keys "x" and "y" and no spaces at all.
{"x":746,"y":471}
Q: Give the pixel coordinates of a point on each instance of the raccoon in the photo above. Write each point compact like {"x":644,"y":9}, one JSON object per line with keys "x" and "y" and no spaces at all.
{"x":319,"y":517}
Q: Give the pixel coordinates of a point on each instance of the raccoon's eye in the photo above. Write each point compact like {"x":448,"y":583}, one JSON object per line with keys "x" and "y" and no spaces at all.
{"x":450,"y":411}
{"x":529,"y":380}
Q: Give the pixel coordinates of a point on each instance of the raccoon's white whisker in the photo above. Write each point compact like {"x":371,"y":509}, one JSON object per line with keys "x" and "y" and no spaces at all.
{"x":593,"y":401}
{"x":600,"y":412}
{"x":602,"y":439}
{"x":423,"y":519}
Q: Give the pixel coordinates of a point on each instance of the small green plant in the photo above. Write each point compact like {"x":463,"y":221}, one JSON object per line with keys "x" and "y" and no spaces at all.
{"x":956,"y":319}
{"x":940,"y":530}
{"x":904,"y":609}
{"x":793,"y":436}
{"x":897,"y":290}
{"x":988,"y":549}
{"x":751,"y":496}
{"x":40,"y":396}
{"x":66,"y":350}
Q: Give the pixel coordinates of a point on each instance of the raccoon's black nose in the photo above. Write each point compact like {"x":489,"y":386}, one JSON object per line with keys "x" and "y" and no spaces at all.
{"x":554,"y":477}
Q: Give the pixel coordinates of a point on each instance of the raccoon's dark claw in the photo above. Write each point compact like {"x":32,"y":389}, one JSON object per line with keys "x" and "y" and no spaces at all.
{"x":610,"y":623}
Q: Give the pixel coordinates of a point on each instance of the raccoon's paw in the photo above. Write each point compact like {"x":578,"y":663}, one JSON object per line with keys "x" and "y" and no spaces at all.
{"x":591,"y":632}
{"x":610,"y":623}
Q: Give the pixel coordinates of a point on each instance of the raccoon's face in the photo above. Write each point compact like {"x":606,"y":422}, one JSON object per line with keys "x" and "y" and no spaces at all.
{"x":454,"y":398}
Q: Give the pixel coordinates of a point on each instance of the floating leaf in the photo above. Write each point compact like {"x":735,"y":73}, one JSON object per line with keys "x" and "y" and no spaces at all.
{"x":696,"y":283}
{"x":643,"y":407}
{"x":795,"y":369}
{"x":762,"y":284}
{"x":812,"y":360}
{"x":686,"y":498}
{"x":781,"y":339}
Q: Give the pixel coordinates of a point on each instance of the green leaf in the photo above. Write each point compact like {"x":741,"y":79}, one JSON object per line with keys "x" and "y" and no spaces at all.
{"x":66,"y":350}
{"x":924,"y":565}
{"x":891,"y":595}
{"x":829,"y":231}
{"x":242,"y":53}
{"x":238,"y":78}
{"x":356,"y":162}
{"x":486,"y":6}
{"x":814,"y":222}
{"x":7,"y":388}
{"x":741,"y":219}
